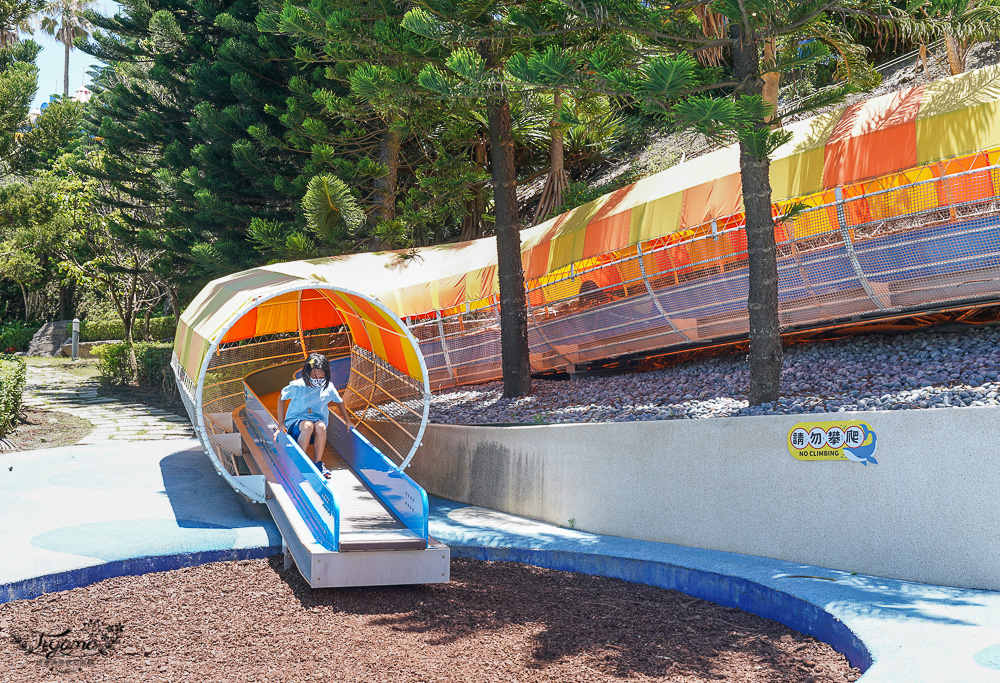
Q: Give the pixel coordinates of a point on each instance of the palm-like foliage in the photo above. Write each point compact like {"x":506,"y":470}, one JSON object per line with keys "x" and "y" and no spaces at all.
{"x":961,"y":23}
{"x":64,"y":19}
{"x":481,"y":37}
{"x":15,"y":17}
{"x":652,"y":64}
{"x":18,"y":83}
{"x":359,"y":120}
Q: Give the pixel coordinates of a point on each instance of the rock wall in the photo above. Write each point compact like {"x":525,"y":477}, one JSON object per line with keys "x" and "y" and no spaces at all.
{"x":49,"y":339}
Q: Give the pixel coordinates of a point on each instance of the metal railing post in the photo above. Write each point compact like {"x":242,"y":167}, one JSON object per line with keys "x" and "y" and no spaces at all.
{"x":444,"y":347}
{"x":656,"y":302}
{"x":838,"y":192}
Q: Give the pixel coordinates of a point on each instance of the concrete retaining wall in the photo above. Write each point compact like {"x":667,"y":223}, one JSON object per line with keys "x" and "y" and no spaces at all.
{"x":929,"y":511}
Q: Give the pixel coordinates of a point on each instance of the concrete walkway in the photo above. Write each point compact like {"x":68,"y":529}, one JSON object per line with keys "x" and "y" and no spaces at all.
{"x":49,"y":387}
{"x":76,"y":515}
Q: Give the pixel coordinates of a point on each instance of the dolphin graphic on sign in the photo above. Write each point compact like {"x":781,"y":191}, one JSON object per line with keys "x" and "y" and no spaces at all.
{"x":864,"y":453}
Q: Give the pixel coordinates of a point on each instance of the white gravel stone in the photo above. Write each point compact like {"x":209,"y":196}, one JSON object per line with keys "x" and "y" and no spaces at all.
{"x":913,"y":371}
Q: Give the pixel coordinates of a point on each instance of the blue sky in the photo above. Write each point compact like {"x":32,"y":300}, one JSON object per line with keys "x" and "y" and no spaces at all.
{"x":50,"y":62}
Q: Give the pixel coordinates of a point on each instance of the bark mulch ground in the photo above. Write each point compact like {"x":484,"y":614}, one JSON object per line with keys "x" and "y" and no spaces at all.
{"x":250,"y":621}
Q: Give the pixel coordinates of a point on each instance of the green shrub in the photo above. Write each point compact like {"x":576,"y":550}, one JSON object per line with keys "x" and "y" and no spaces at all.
{"x":15,"y":336}
{"x":113,"y":362}
{"x":99,"y":330}
{"x":12,"y":374}
{"x":152,"y":363}
{"x":103,"y":330}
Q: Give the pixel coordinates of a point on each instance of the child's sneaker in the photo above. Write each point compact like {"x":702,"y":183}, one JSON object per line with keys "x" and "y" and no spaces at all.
{"x":322,"y":469}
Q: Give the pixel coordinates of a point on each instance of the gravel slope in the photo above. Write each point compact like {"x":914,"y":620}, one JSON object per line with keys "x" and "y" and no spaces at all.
{"x":929,"y":369}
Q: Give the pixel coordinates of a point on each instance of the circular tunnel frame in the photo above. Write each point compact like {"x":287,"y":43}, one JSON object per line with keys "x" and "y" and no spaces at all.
{"x":298,"y":286}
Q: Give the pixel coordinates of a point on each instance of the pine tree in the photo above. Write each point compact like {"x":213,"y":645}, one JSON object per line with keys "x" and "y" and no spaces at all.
{"x":481,"y":38}
{"x":407,"y":161}
{"x":183,"y":114}
{"x":665,"y":79}
{"x":478,"y":37}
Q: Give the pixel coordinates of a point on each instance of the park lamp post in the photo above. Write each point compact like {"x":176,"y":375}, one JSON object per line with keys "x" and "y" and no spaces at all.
{"x":76,"y":339}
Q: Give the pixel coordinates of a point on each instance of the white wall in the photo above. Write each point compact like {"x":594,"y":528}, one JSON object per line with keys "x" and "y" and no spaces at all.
{"x":928,"y":511}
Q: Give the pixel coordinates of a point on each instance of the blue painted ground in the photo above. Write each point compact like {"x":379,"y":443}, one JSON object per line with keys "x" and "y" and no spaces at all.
{"x":73,"y":516}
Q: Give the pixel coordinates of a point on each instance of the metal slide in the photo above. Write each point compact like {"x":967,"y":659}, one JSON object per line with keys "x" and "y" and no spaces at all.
{"x":365,"y":526}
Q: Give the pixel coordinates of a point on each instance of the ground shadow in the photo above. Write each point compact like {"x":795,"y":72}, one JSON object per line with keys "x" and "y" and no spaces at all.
{"x":200,"y":498}
{"x":622,"y":629}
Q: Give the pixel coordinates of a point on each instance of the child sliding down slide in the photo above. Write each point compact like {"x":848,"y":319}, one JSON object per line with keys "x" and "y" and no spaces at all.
{"x":308,"y":399}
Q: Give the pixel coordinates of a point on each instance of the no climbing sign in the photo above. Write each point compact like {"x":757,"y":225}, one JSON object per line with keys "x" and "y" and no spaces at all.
{"x":854,"y":441}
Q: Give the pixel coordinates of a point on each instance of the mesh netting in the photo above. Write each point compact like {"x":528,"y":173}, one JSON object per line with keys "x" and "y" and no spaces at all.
{"x":460,"y":349}
{"x":915,"y":239}
{"x":223,"y":389}
{"x":387,"y":405}
{"x":231,"y":362}
{"x":186,"y":388}
{"x":924,"y":237}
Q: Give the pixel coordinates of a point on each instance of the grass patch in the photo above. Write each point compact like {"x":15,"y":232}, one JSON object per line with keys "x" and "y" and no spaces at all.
{"x":84,"y":368}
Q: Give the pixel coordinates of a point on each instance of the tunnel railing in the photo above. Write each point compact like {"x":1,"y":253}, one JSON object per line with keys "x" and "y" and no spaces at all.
{"x":917,"y":238}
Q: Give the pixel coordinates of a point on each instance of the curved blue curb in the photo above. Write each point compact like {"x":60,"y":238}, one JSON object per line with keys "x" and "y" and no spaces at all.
{"x":729,"y":591}
{"x":895,"y":631}
{"x":85,"y":576}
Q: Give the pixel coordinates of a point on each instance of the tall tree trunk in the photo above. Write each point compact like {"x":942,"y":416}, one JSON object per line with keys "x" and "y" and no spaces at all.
{"x":762,"y":300}
{"x":64,"y":301}
{"x":771,"y":79}
{"x":713,"y":25}
{"x":385,"y":187}
{"x":175,"y":304}
{"x":473,"y":224}
{"x":24,"y":296}
{"x":125,"y":305}
{"x":145,"y":324}
{"x":555,"y":181}
{"x":515,"y":361}
{"x":69,"y":46}
{"x":956,"y":56}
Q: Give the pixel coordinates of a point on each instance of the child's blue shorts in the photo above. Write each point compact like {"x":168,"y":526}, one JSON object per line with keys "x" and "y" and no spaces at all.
{"x":294,"y":431}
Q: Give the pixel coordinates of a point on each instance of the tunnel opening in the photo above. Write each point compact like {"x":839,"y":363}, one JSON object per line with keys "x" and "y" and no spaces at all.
{"x":377,"y":363}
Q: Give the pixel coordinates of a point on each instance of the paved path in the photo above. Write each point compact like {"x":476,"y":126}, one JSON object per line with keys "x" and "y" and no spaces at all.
{"x":49,"y":387}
